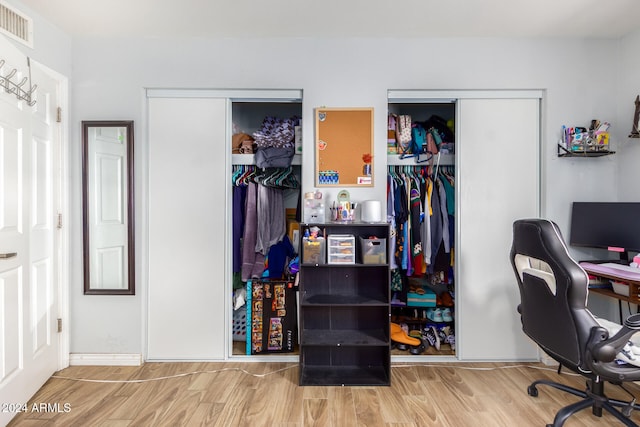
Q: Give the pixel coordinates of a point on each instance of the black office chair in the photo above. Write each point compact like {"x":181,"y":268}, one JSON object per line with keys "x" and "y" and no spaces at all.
{"x":553,"y":297}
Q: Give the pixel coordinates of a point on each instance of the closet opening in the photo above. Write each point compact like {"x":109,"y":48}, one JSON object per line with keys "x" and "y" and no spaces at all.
{"x":265,"y":213}
{"x":421,"y":206}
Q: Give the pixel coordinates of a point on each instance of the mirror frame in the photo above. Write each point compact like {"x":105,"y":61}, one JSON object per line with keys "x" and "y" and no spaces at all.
{"x":129,"y":176}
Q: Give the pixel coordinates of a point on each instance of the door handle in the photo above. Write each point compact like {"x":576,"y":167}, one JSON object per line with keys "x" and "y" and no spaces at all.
{"x":8,"y":255}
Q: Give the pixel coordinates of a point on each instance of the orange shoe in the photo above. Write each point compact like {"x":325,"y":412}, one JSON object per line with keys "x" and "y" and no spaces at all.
{"x":401,"y":337}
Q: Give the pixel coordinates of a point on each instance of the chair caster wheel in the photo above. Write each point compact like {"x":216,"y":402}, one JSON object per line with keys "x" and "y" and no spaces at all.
{"x":533,"y":391}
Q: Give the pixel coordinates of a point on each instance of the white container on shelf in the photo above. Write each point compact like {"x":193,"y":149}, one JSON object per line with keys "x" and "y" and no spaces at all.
{"x":371,"y":211}
{"x":341,"y":249}
{"x":620,"y":288}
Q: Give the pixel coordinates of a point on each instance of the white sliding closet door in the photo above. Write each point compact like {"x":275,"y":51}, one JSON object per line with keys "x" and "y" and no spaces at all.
{"x":187,"y":211}
{"x":498,"y":171}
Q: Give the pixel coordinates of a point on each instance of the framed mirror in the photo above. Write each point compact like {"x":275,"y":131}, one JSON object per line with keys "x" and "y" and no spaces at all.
{"x":107,"y":207}
{"x":344,"y":147}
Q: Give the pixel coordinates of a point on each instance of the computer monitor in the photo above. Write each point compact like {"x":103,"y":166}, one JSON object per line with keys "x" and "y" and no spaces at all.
{"x":611,"y":225}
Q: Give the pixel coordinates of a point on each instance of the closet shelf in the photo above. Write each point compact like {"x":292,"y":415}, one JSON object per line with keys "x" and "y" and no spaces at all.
{"x":563,"y":152}
{"x":249,"y":159}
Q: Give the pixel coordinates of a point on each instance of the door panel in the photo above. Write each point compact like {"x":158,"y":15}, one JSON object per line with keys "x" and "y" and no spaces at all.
{"x":12,"y":326}
{"x":492,"y":196}
{"x":188,"y":155}
{"x":29,"y":192}
{"x":41,"y":282}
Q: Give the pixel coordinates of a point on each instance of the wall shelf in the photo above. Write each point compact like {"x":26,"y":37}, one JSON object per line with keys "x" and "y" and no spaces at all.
{"x":563,"y":152}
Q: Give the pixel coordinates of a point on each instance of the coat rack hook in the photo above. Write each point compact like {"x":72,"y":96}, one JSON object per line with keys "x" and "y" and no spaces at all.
{"x":17,"y":88}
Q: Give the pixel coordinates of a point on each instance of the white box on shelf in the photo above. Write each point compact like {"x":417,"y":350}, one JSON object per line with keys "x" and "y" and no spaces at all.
{"x":341,"y":249}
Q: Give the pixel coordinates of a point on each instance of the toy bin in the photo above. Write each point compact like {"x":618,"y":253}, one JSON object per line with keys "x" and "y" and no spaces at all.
{"x":373,"y":250}
{"x":313,"y":251}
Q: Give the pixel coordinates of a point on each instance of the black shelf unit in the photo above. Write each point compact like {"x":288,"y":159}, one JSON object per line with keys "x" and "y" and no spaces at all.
{"x":344,"y":315}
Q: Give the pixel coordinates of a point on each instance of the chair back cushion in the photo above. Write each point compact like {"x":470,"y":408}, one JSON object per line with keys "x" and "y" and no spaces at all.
{"x":553,"y":291}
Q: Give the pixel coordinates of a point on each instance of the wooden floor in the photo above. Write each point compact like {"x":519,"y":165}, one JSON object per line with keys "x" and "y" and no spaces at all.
{"x":267,"y":394}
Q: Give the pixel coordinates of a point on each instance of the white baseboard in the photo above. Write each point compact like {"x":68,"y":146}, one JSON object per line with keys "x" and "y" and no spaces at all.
{"x":547,"y":360}
{"x":105,"y":359}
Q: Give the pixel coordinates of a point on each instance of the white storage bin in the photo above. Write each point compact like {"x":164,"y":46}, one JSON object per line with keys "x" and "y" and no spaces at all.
{"x":341,"y":249}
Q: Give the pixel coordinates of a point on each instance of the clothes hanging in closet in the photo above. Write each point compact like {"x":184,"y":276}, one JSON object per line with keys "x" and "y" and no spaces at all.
{"x":252,"y":260}
{"x":259,"y":225}
{"x":420,"y":208}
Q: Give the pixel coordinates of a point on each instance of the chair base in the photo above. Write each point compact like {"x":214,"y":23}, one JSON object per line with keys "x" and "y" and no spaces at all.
{"x":593,"y":398}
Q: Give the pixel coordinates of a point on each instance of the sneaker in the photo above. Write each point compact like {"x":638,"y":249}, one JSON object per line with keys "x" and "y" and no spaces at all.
{"x":451,"y":338}
{"x":430,"y":335}
{"x":435,"y":314}
{"x":442,"y":334}
{"x":446,"y":315}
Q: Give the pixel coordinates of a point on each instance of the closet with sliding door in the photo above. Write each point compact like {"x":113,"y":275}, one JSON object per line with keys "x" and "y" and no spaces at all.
{"x":265,"y":208}
{"x":452,"y":207}
{"x":202,"y":160}
{"x":421,"y":209}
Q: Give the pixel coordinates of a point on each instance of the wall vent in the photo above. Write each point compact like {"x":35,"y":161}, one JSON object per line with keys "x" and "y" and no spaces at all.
{"x":16,"y":24}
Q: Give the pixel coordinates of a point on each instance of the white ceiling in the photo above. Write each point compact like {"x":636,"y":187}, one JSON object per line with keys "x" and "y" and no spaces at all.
{"x":342,"y":18}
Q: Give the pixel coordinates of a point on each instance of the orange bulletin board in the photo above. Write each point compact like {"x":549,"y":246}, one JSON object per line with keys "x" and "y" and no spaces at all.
{"x":344,"y":147}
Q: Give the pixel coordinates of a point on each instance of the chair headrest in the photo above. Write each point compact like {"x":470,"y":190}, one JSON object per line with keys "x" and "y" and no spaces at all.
{"x":538,"y":244}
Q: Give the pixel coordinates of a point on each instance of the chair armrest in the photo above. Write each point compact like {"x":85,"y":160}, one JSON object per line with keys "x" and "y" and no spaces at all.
{"x":604,"y":349}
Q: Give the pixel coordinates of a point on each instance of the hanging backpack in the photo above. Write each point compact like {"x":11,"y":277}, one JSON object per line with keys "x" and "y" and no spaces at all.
{"x":417,"y":145}
{"x":403,"y":134}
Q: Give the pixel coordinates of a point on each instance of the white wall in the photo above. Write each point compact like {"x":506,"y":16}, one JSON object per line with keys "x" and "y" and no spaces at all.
{"x":51,"y":47}
{"x":109,"y":77}
{"x":627,"y":90}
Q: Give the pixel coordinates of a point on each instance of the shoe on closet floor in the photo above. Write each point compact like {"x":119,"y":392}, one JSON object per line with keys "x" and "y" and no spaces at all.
{"x":450,"y":337}
{"x":400,"y":337}
{"x":430,"y":335}
{"x":447,"y":315}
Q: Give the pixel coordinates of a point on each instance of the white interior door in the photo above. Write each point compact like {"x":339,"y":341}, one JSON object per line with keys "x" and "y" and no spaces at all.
{"x":188,"y":176}
{"x":493,"y":195}
{"x":29,"y":196}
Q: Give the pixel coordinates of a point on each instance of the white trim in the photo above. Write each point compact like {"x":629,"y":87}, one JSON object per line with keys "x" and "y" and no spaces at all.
{"x":253,"y":95}
{"x":105,"y":359}
{"x":446,"y":96}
